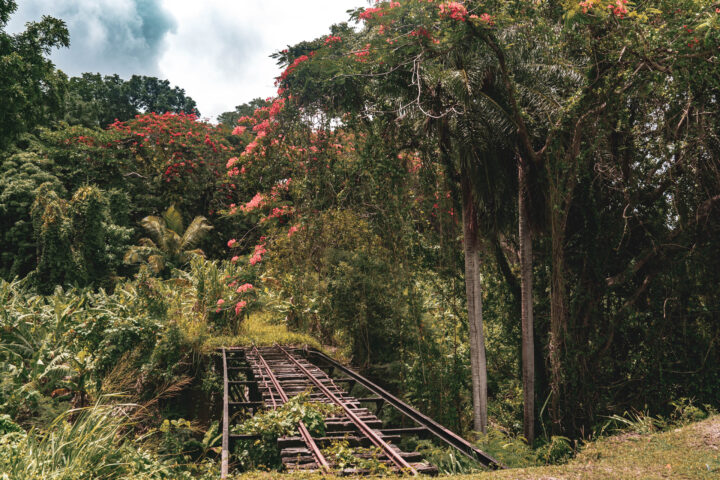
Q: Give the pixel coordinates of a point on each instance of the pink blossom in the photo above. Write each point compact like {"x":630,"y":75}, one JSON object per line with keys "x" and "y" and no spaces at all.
{"x":258,"y":253}
{"x":256,"y":202}
{"x":239,"y":306}
{"x":234,"y":259}
{"x":220,"y":302}
{"x":487,"y":18}
{"x":454,"y":10}
{"x":245,"y":287}
{"x":238,"y":130}
{"x":231,"y":243}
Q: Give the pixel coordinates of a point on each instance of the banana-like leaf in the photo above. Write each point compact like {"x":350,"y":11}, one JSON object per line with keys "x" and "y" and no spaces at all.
{"x":173,"y":220}
{"x":155,"y":227}
{"x":195,"y":232}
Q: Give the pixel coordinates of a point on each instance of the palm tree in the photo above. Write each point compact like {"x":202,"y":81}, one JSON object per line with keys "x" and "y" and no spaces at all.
{"x":169,"y":246}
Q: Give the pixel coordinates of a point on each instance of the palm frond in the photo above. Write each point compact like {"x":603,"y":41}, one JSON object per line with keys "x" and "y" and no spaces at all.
{"x":173,"y":220}
{"x":195,"y":232}
{"x":156,"y":228}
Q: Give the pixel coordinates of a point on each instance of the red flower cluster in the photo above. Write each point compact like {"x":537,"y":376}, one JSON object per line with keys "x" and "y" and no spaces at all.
{"x":291,"y":68}
{"x":361,"y":55}
{"x":332,"y":39}
{"x":619,"y":9}
{"x":239,"y":306}
{"x":587,"y":5}
{"x":370,"y":13}
{"x":486,"y":18}
{"x":278,"y":212}
{"x":256,"y":202}
{"x":454,"y":10}
{"x":259,"y":252}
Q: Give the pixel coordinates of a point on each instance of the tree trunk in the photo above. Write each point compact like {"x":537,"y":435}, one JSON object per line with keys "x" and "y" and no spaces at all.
{"x":473,"y":287}
{"x":558,"y":312}
{"x":526,"y":306}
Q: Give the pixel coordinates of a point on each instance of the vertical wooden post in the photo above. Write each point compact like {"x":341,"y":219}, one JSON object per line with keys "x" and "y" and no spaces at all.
{"x":226,"y":421}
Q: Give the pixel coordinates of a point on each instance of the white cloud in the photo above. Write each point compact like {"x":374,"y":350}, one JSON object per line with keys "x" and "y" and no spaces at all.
{"x":106,"y":36}
{"x":219,"y":52}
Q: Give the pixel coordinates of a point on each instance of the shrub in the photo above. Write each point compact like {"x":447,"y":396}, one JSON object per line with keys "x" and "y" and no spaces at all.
{"x":273,"y":424}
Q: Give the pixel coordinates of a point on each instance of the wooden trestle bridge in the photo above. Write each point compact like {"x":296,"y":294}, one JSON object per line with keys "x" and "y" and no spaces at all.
{"x":267,"y":377}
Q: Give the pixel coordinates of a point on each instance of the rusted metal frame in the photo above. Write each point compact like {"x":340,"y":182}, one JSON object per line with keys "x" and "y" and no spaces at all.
{"x":226,"y":421}
{"x":272,"y":395}
{"x":442,"y":433}
{"x":304,"y":432}
{"x":364,"y":428}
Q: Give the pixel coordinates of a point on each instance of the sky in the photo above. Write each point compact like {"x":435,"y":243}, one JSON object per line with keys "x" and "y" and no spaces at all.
{"x":217,"y":50}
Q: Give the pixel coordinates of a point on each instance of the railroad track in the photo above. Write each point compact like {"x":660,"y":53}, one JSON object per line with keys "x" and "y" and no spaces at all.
{"x":267,"y":377}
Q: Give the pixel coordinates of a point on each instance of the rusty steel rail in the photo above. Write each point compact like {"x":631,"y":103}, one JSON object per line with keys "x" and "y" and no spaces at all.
{"x":226,"y":421}
{"x":319,"y":457}
{"x":442,"y":433}
{"x":362,"y":426}
{"x":272,"y":395}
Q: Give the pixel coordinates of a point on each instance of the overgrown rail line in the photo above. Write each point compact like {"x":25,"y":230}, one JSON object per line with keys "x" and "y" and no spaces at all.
{"x":267,"y":377}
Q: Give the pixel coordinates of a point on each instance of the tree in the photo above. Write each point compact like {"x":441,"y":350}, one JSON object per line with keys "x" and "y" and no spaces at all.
{"x":230,"y":119}
{"x":56,"y":264}
{"x":95,"y":101}
{"x":435,"y":66}
{"x":170,"y":245}
{"x":31,"y":90}
{"x":20,"y":176}
{"x":76,"y":240}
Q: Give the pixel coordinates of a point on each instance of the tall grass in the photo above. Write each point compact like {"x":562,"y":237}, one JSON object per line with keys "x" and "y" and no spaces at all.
{"x":95,"y":445}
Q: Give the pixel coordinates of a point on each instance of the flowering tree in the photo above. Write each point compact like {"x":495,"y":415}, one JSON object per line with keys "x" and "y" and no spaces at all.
{"x":503,"y":84}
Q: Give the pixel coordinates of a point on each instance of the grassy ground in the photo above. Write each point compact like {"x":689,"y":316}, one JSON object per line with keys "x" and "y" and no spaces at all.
{"x":690,"y":452}
{"x":259,"y":330}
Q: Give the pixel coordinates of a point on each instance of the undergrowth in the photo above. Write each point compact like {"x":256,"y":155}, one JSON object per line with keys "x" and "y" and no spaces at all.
{"x":262,"y":453}
{"x":98,"y":444}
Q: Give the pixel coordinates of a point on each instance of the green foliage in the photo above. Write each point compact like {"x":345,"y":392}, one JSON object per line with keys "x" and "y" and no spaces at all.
{"x":56,"y":264}
{"x":20,"y":176}
{"x":96,"y":444}
{"x":641,"y":422}
{"x":341,"y":284}
{"x":170,"y":246}
{"x":273,"y":424}
{"x":8,"y":426}
{"x":558,"y":450}
{"x":447,"y":460}
{"x":77,"y":242}
{"x":687,"y":412}
{"x":95,"y":101}
{"x":363,"y":460}
{"x":185,"y":441}
{"x":512,"y":451}
{"x":31,"y":90}
{"x":230,"y":119}
{"x":66,"y":348}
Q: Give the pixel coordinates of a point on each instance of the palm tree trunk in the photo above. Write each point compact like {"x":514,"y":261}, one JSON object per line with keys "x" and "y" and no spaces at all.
{"x":473,"y":288}
{"x":526,"y":306}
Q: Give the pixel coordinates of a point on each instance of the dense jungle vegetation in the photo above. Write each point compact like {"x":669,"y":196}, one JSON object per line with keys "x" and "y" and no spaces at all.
{"x":506,"y":212}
